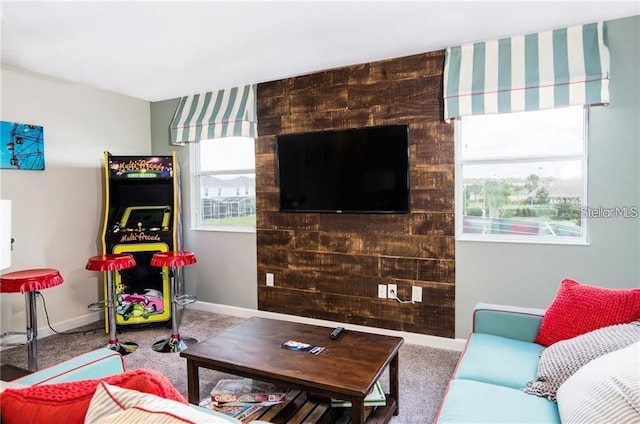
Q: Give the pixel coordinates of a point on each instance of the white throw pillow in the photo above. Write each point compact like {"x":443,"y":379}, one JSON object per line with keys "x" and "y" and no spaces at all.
{"x":605,"y":390}
{"x":113,"y":404}
{"x":10,"y":385}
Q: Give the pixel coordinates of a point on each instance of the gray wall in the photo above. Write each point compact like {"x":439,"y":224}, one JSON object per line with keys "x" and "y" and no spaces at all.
{"x":57,"y":213}
{"x":226,"y":271}
{"x":516,"y":274}
{"x":529,"y":275}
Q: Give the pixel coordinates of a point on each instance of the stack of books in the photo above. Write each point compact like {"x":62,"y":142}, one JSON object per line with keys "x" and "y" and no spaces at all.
{"x":242,"y":397}
{"x":247,"y":390}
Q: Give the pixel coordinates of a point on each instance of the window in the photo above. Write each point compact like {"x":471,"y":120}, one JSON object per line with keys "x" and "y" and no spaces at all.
{"x":223,"y":167}
{"x":522,"y":176}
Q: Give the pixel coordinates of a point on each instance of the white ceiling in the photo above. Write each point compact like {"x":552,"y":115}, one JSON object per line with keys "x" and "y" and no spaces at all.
{"x":166,"y":49}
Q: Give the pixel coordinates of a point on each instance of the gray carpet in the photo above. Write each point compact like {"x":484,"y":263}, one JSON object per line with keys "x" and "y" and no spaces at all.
{"x":424,"y":371}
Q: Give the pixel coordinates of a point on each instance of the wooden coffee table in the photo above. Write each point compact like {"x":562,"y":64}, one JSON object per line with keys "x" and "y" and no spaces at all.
{"x":347,"y":369}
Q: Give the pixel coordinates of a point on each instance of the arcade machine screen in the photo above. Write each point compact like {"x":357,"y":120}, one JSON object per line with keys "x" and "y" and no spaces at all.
{"x":152,"y":218}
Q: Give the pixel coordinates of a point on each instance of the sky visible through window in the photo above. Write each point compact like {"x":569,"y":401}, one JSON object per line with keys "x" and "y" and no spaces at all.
{"x":524,"y":136}
{"x":227,"y":154}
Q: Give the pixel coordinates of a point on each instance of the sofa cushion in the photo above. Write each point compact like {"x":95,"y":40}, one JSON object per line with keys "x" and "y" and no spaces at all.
{"x":68,"y":402}
{"x":607,"y":389}
{"x":469,"y":401}
{"x":499,"y":360}
{"x":112,"y":404}
{"x":561,"y":360}
{"x":513,"y":322}
{"x":579,"y":308}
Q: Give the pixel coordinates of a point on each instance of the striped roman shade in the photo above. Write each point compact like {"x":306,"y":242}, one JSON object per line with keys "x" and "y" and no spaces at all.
{"x":563,"y":67}
{"x":225,"y":113}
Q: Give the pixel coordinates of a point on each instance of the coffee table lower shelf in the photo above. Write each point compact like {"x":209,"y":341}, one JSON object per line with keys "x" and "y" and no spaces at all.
{"x":300,"y":408}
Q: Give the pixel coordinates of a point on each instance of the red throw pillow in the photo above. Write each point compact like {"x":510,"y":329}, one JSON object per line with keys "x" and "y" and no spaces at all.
{"x":578,"y":309}
{"x":69,"y":402}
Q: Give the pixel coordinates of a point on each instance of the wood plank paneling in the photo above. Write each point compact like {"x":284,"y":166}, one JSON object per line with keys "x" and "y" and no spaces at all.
{"x":329,"y":266}
{"x":437,"y":223}
{"x":436,"y":270}
{"x":396,"y":267}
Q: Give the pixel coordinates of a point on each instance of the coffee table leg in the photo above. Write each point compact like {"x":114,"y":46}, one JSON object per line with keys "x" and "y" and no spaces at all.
{"x":394,"y":385}
{"x":357,"y":411}
{"x":193,"y":382}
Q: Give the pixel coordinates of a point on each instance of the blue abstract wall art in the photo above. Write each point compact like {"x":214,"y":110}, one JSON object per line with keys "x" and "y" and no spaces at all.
{"x":21,"y":146}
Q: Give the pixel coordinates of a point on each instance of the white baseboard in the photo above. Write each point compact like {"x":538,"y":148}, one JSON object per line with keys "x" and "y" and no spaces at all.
{"x":410,"y":338}
{"x":61,"y":326}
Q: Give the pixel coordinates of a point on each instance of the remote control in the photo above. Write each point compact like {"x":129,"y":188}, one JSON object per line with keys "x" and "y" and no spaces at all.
{"x":336,"y":333}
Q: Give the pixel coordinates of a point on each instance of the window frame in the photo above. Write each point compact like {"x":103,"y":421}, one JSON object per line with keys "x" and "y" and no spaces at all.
{"x":522,"y":239}
{"x":195,"y":190}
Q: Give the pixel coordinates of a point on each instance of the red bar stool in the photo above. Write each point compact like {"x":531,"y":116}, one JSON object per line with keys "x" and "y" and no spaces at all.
{"x":29,"y":282}
{"x":110,"y":263}
{"x":175,"y":260}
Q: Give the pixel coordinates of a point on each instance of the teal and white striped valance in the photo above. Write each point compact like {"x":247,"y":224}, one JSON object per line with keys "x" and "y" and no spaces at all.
{"x":225,"y":113}
{"x":563,"y":67}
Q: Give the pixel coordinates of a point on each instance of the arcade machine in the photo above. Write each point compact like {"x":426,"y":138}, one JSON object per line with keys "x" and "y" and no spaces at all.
{"x":141,"y":217}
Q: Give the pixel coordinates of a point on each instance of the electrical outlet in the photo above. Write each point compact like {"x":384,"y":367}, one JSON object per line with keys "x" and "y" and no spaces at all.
{"x":393,"y":290}
{"x":269,"y":279}
{"x":416,"y":294}
{"x":382,"y":291}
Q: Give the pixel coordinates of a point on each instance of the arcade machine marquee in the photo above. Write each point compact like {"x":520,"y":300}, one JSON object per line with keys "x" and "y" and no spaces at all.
{"x":142,"y":217}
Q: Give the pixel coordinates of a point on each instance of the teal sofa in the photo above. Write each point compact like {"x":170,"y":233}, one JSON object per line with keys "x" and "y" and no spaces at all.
{"x":96,"y":364}
{"x":99,"y":363}
{"x":499,"y":359}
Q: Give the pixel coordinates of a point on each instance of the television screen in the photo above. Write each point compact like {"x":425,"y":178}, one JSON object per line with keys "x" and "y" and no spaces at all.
{"x":362,"y":170}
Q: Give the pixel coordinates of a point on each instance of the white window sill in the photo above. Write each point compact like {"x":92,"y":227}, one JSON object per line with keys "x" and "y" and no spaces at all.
{"x":520,"y":240}
{"x":225,"y":229}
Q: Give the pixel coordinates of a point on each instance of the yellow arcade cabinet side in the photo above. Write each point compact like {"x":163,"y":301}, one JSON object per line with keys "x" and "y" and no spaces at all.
{"x":141,"y":217}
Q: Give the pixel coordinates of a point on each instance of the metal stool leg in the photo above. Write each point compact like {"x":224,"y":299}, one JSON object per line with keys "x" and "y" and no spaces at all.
{"x":31,"y":333}
{"x":175,"y":343}
{"x":123,"y":348}
{"x":32,"y":330}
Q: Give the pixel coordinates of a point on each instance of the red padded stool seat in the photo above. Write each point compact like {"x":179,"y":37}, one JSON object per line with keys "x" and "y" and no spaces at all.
{"x":175,"y":260}
{"x":111,"y":263}
{"x":29,"y":282}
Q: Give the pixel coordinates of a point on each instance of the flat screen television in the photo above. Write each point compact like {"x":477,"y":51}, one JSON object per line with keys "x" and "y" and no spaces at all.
{"x":360,"y":170}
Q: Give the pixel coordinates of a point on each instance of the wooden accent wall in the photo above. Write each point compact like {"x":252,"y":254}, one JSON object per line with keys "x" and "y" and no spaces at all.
{"x":328,"y":266}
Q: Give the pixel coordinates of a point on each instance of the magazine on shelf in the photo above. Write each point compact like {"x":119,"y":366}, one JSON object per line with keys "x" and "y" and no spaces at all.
{"x":238,"y":412}
{"x":375,"y":398}
{"x":246,"y":390}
